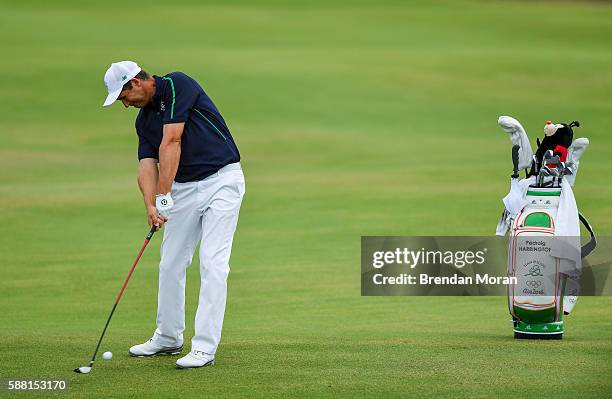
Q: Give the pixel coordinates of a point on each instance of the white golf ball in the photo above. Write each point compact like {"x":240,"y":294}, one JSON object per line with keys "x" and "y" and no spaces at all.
{"x":107,"y":355}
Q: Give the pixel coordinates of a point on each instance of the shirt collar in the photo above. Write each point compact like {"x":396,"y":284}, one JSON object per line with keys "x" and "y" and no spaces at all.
{"x":156,"y":99}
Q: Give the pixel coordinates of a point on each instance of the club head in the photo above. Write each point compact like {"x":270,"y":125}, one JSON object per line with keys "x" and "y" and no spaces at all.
{"x":561,"y":166}
{"x":548,"y":154}
{"x":83,"y":370}
{"x":555,"y":160}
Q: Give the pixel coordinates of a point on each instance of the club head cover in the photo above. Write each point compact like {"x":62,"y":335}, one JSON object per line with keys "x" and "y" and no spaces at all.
{"x":555,"y":135}
{"x":574,"y":152}
{"x":561,"y":152}
{"x":518,"y":136}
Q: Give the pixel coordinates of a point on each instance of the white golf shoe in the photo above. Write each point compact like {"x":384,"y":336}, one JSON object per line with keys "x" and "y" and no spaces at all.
{"x":150,"y":348}
{"x":195,"y":359}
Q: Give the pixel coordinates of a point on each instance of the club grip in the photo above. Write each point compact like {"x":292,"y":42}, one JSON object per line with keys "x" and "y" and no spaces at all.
{"x":515,"y":161}
{"x":153,"y":230}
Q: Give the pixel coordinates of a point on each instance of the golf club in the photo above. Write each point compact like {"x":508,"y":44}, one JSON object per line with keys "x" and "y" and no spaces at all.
{"x":541,"y":172}
{"x":515,"y":161}
{"x":569,"y":169}
{"x":87,"y":369}
{"x":560,"y":172}
{"x":554,"y":172}
{"x":544,"y":172}
{"x":547,"y":159}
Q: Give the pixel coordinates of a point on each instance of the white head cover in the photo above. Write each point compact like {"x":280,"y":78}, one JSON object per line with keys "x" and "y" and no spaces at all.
{"x":518,"y":136}
{"x":118,"y":74}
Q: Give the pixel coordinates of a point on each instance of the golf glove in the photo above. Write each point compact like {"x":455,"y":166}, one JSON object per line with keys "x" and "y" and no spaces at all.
{"x":164,"y":203}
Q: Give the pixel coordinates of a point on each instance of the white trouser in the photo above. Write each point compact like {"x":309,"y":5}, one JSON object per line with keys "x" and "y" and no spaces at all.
{"x":205,"y":211}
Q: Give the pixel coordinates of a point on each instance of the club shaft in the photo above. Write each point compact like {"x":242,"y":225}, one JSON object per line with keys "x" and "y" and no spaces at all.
{"x":131,"y":271}
{"x":93,"y":358}
{"x":127,"y":279}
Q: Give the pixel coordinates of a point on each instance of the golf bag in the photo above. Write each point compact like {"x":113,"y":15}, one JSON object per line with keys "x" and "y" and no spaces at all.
{"x":536,"y":299}
{"x":544,"y":253}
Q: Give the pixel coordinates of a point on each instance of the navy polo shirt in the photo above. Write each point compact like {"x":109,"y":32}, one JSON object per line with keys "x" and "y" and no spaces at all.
{"x":206,"y":143}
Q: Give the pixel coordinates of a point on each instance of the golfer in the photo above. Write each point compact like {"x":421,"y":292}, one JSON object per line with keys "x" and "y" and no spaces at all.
{"x":191,"y":181}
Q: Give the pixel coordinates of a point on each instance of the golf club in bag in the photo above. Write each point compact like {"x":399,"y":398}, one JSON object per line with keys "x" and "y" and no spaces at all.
{"x":87,"y":369}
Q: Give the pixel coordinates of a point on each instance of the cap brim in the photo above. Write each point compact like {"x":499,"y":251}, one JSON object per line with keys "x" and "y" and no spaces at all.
{"x":112,"y":97}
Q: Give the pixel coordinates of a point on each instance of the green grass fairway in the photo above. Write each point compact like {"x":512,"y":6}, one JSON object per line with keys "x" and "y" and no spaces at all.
{"x":353,"y":118}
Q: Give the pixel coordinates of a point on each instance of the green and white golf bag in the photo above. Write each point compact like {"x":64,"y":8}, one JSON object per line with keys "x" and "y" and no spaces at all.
{"x":540,"y":212}
{"x":536,"y":300}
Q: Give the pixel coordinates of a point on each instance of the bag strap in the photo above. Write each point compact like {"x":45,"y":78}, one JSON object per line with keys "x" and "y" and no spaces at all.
{"x":589,"y":246}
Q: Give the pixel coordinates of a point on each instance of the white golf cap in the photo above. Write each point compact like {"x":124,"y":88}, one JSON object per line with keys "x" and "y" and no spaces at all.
{"x":118,"y":74}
